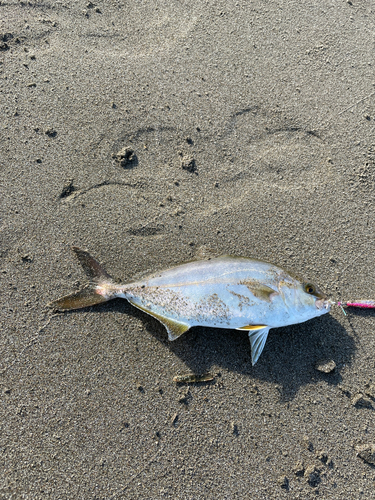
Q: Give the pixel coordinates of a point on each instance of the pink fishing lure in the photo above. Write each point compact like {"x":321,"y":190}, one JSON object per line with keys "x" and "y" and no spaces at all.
{"x":369,"y":304}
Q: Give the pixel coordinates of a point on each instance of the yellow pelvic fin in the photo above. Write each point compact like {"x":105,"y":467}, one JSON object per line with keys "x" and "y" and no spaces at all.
{"x":252,"y":327}
{"x":174,"y":328}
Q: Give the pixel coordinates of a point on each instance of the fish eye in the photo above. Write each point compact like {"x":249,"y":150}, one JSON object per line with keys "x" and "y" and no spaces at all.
{"x":310,"y":288}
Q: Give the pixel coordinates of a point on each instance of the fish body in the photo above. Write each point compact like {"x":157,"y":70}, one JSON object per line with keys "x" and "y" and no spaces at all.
{"x":225,"y":292}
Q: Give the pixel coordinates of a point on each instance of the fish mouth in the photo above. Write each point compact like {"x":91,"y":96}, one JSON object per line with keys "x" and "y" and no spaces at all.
{"x":324,"y":303}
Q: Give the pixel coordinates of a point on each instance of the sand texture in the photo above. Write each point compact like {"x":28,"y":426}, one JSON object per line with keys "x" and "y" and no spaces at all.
{"x":156,"y":132}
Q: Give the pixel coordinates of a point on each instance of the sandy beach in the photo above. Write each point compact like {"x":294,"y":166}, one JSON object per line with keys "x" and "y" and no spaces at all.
{"x":151,"y":134}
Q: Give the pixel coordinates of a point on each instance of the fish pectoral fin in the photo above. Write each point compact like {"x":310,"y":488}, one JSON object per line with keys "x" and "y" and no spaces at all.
{"x":260,"y":290}
{"x":257,"y":336}
{"x":257,"y":341}
{"x":174,"y":328}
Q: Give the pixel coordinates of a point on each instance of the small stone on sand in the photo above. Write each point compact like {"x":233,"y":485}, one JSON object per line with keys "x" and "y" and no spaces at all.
{"x":366,"y":452}
{"x":299,"y":469}
{"x":188,"y":163}
{"x":322,"y":456}
{"x":312,"y":476}
{"x":325,"y":366}
{"x":370,"y":390}
{"x":283,"y":482}
{"x":307,"y":443}
{"x":360,"y":401}
{"x":51,"y":132}
{"x":124,"y":157}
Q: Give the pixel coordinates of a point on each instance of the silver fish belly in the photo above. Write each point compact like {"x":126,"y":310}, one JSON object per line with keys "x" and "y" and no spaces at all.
{"x":225,"y":292}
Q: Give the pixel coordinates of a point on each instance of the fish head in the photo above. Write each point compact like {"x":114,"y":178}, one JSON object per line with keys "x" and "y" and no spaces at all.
{"x":304,"y":300}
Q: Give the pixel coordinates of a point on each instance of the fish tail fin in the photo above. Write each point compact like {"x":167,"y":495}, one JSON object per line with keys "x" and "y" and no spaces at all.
{"x":100,"y":288}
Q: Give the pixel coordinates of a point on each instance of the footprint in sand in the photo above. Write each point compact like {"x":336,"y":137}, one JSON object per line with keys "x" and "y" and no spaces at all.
{"x":140,"y":30}
{"x":277,"y":150}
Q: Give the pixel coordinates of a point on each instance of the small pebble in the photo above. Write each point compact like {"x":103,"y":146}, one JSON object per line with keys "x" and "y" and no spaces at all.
{"x":234,"y":428}
{"x":322,"y":456}
{"x":299,"y":469}
{"x":185,"y":397}
{"x":370,"y":391}
{"x":360,"y":401}
{"x":124,"y":157}
{"x":366,"y":452}
{"x":67,"y":189}
{"x":312,"y":476}
{"x":51,"y":132}
{"x":188,"y":163}
{"x":307,"y":444}
{"x":283,"y":482}
{"x":325,"y":366}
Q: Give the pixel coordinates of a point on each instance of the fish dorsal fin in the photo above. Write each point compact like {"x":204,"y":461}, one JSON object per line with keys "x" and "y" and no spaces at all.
{"x":257,"y":340}
{"x":174,"y":328}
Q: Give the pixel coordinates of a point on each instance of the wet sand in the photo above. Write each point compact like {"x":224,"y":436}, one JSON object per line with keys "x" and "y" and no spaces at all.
{"x":250,"y":131}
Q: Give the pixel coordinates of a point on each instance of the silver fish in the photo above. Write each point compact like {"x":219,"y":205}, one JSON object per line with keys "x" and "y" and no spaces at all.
{"x":225,"y":292}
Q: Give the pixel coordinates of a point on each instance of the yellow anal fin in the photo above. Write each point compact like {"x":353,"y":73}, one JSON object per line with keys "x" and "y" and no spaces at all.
{"x":252,"y":328}
{"x":174,"y":328}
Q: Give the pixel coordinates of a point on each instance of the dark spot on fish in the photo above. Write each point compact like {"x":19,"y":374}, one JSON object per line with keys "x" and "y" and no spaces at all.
{"x":242,"y":299}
